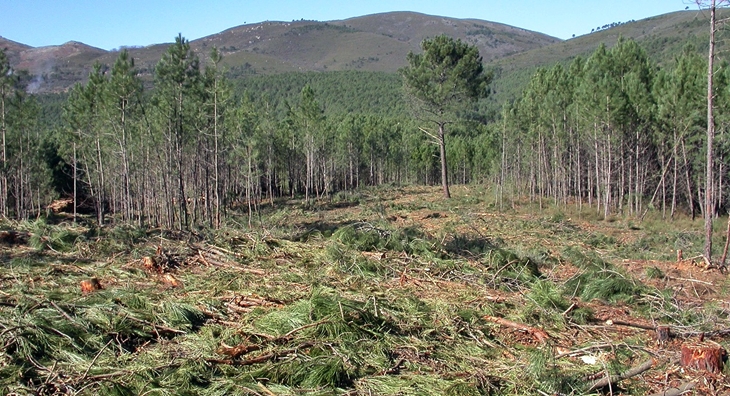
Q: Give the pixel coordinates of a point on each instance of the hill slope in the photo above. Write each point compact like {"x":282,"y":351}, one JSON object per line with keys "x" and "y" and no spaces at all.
{"x":377,"y":42}
{"x":662,"y":36}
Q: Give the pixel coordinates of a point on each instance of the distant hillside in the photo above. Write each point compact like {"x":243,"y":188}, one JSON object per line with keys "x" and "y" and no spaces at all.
{"x":377,"y":42}
{"x":662,"y":36}
{"x":13,"y":49}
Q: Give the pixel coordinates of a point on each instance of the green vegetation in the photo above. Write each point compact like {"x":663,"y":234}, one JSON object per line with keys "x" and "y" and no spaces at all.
{"x":179,"y":231}
{"x":441,"y":82}
{"x":391,"y":301}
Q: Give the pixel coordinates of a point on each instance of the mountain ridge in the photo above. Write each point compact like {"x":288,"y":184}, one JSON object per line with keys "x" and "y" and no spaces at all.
{"x":375,"y":42}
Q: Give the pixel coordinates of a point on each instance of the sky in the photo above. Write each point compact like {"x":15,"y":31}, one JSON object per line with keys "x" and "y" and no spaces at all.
{"x":116,"y":23}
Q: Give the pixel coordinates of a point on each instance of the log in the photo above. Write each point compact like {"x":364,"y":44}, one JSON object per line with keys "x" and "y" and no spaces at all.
{"x":704,"y":356}
{"x":610,"y":380}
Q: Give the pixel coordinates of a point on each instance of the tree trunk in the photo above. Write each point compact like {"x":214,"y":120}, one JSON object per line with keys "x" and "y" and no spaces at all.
{"x":444,"y":170}
{"x":710,"y":137}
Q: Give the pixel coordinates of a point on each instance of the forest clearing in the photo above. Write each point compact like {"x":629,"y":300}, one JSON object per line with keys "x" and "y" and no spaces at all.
{"x":385,"y":291}
{"x":181,"y":221}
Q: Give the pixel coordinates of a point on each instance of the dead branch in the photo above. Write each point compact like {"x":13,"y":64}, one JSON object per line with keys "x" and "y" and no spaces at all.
{"x":263,"y":358}
{"x":395,"y":368}
{"x":680,"y":390}
{"x":238,"y":350}
{"x":708,"y":264}
{"x":629,"y":324}
{"x":62,"y":312}
{"x":86,"y":373}
{"x":690,"y":280}
{"x":306,"y":326}
{"x":155,"y":326}
{"x":242,"y":349}
{"x":581,"y":351}
{"x":538,"y":334}
{"x":610,"y":380}
{"x":265,"y":389}
{"x":702,"y":334}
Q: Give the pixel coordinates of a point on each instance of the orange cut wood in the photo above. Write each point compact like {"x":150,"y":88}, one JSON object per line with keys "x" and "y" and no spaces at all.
{"x":149,"y":263}
{"x":170,"y":280}
{"x":88,"y":286}
{"x":706,"y":356}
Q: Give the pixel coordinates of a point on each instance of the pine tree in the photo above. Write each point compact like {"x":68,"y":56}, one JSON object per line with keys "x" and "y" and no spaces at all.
{"x":178,"y":93}
{"x":441,"y":80}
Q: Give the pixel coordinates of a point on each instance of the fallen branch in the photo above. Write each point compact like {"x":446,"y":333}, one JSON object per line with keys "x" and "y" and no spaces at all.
{"x":610,"y":380}
{"x":690,"y":280}
{"x":263,"y":358}
{"x":703,"y":334}
{"x":242,"y":349}
{"x":156,"y":326}
{"x":86,"y":373}
{"x":629,"y":324}
{"x":676,"y":391}
{"x":582,"y":351}
{"x":708,"y":264}
{"x":265,"y":389}
{"x":538,"y":334}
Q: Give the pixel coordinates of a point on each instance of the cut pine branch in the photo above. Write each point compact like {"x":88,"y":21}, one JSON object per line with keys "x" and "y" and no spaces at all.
{"x":242,"y":349}
{"x":538,"y":334}
{"x":263,"y":358}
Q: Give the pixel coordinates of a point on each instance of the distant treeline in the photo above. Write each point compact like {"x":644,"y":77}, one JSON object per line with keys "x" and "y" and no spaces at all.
{"x":616,"y":131}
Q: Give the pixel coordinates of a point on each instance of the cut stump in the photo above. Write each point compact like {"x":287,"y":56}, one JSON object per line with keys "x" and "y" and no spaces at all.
{"x":90,"y":285}
{"x":707,"y":356}
{"x":663,"y":334}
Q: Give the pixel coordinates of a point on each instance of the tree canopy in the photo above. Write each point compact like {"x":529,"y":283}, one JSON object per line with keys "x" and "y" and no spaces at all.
{"x":442,"y":81}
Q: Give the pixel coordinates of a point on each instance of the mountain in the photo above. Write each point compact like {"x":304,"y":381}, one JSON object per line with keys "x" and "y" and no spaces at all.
{"x":376,"y":42}
{"x":13,"y":49}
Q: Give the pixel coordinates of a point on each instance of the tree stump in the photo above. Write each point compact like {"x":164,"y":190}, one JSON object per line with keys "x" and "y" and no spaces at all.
{"x":88,"y":286}
{"x":662,"y":334}
{"x":707,"y":356}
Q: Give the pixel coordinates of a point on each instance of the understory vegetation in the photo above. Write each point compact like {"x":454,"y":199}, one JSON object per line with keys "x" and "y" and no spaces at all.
{"x":388,"y":291}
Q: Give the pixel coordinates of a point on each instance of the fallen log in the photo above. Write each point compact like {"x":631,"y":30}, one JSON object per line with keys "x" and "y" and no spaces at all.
{"x":610,"y":380}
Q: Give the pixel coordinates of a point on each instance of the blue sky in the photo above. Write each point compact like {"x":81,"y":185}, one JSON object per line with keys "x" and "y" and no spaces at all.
{"x":110,"y":24}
